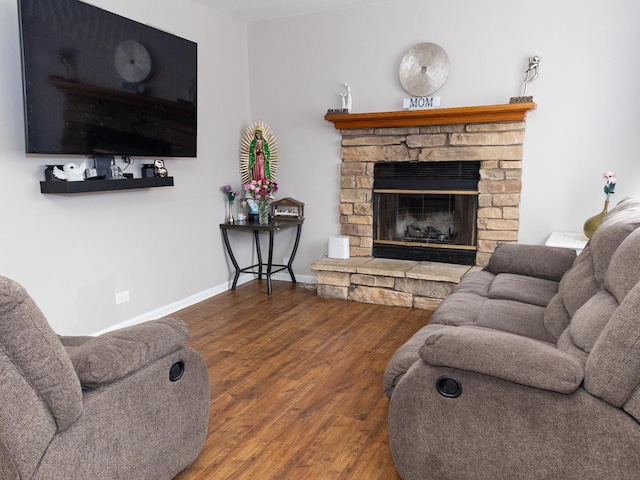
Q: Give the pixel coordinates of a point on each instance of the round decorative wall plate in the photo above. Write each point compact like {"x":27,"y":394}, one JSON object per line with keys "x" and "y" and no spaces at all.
{"x":132,"y":61}
{"x":424,"y":69}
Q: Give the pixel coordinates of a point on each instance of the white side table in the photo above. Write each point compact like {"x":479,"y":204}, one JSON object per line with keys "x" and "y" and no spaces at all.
{"x":574,"y":240}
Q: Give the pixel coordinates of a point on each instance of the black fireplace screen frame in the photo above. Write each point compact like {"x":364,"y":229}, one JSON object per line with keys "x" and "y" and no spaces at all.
{"x":447,"y":187}
{"x":427,"y":175}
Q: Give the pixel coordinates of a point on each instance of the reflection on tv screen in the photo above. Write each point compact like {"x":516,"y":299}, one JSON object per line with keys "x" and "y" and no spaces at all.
{"x":96,"y":83}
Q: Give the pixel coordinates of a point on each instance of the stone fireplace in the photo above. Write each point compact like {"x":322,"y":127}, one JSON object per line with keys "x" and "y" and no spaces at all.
{"x":490,"y":137}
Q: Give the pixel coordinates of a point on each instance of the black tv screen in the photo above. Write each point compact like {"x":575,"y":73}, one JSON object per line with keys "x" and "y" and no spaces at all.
{"x":96,"y":83}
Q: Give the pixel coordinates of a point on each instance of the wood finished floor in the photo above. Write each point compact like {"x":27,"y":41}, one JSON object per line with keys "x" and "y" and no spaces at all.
{"x":296,"y":384}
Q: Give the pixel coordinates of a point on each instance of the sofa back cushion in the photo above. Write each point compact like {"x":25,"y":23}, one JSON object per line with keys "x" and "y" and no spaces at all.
{"x":587,"y":276}
{"x":29,"y":343}
{"x":589,"y":321}
{"x":538,"y":261}
{"x":26,"y":425}
{"x":613,"y":367}
{"x":615,"y":228}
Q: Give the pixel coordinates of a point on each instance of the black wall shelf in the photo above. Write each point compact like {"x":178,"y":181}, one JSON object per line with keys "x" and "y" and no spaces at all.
{"x":88,"y":186}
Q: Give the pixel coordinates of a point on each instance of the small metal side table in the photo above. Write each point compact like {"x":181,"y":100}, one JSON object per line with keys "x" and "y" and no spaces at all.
{"x":249,"y":226}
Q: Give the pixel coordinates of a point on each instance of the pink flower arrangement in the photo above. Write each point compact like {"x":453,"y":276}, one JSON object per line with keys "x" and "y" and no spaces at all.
{"x":611,"y":183}
{"x":261,"y":190}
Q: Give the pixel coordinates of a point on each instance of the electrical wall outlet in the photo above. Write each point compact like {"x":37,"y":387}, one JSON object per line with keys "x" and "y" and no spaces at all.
{"x":122,"y":297}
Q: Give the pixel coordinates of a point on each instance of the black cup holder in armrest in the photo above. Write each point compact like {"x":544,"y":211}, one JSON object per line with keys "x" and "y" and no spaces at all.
{"x":449,"y":387}
{"x":176,"y":371}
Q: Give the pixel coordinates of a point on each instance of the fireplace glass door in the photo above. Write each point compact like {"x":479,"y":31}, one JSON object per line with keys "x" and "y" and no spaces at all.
{"x":434,"y":224}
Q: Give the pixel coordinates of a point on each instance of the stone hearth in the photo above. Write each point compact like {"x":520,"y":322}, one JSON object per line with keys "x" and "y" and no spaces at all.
{"x":492,"y":135}
{"x":401,"y":283}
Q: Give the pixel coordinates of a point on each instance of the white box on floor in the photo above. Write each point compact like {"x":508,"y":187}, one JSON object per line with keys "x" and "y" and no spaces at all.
{"x":338,"y":247}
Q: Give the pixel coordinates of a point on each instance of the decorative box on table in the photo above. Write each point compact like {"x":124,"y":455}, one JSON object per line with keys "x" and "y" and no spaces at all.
{"x":287,"y":209}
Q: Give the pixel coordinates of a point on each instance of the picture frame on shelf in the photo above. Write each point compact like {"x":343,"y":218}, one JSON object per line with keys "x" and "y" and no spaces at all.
{"x":287,"y":209}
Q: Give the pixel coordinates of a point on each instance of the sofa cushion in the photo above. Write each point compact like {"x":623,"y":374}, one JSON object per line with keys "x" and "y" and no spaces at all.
{"x":531,"y":260}
{"x":116,"y":354}
{"x":565,"y":343}
{"x":556,"y":318}
{"x":579,"y":284}
{"x":614,"y":229}
{"x":520,"y":288}
{"x":623,"y":272}
{"x":589,"y":321}
{"x":459,"y":308}
{"x":586,"y":278}
{"x":513,"y":317}
{"x":488,"y":300}
{"x":613,"y":367}
{"x":477,"y":282}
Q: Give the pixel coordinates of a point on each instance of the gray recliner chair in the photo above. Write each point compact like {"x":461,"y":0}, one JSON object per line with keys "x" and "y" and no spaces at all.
{"x":129,"y":404}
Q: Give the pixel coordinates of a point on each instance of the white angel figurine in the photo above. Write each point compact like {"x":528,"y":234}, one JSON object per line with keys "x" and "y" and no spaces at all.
{"x":347,"y":100}
{"x":71,"y":172}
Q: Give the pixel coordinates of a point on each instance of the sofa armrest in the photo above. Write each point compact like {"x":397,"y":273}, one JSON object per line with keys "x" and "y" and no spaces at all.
{"x":504,"y":355}
{"x":113,"y":355}
{"x":532,"y":260}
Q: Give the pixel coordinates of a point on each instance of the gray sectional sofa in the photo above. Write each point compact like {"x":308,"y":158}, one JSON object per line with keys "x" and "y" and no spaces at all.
{"x":530,"y":369}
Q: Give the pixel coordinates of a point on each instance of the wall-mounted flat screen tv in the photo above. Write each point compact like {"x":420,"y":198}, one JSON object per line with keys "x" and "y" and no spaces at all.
{"x":96,"y":83}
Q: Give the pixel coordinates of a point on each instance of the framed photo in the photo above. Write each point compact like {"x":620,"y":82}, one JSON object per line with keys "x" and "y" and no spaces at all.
{"x":288,"y":208}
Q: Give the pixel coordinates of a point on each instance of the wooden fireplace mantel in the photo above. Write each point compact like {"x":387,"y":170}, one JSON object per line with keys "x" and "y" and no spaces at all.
{"x":509,"y":112}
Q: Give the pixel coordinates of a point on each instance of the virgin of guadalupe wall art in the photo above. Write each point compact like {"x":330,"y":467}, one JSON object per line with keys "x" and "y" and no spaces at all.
{"x":258,"y":154}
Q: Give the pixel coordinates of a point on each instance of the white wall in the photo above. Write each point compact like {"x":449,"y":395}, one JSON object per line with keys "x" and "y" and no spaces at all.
{"x":586,"y":121}
{"x":73,"y":253}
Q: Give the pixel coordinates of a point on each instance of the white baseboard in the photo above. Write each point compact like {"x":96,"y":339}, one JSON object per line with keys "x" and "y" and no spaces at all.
{"x":198,"y":297}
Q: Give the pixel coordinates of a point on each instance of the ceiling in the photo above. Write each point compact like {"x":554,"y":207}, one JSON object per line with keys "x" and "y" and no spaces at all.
{"x":255,"y":10}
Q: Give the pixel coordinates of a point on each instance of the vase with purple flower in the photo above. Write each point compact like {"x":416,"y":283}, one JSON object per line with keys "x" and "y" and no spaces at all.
{"x":231,"y":196}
